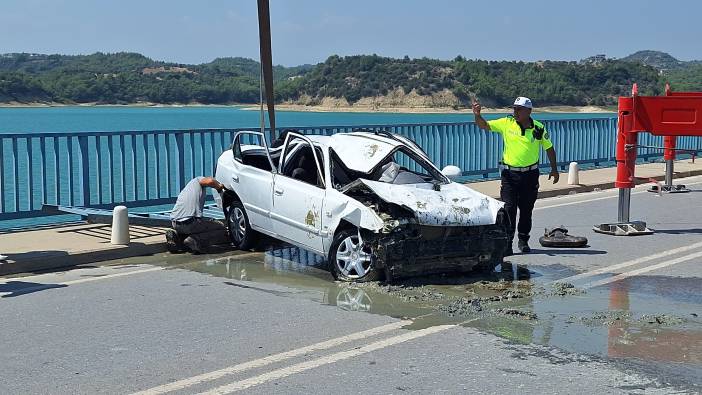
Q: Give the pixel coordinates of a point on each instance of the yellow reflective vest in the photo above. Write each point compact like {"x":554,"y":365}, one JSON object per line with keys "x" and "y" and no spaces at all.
{"x":521,"y":148}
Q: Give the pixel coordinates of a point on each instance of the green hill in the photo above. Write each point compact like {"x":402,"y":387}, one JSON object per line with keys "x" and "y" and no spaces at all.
{"x":683,"y":76}
{"x":131,"y":78}
{"x":495,"y":83}
{"x":655,"y":59}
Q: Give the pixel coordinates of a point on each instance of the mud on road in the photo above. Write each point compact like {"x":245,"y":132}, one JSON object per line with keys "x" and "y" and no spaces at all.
{"x":520,"y":304}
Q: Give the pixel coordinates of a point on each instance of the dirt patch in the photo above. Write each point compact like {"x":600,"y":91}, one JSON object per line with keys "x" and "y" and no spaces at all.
{"x":604,"y":318}
{"x":565,"y":289}
{"x":406,"y":293}
{"x":517,"y":313}
{"x":660,"y":319}
{"x":463,"y":307}
{"x":610,"y":318}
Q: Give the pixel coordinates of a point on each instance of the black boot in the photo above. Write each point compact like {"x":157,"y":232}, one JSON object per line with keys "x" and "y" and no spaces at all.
{"x":523,"y":243}
{"x":174,"y":242}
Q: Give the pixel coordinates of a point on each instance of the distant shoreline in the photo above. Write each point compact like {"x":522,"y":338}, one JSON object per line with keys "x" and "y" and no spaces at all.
{"x":138,"y":105}
{"x":349,"y":109}
{"x":436,"y":110}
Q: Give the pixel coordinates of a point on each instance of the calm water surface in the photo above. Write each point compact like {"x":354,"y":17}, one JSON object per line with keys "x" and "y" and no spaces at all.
{"x":65,"y":119}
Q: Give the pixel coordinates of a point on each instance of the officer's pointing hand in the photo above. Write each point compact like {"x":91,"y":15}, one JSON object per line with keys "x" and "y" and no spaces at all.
{"x":555,"y":176}
{"x":476,"y":107}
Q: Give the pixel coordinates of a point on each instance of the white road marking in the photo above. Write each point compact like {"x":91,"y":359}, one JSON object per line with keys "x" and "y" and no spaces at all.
{"x":644,"y":270}
{"x":185,"y":383}
{"x":575,"y":202}
{"x":586,"y":200}
{"x":636,"y":261}
{"x":72,"y":282}
{"x":315,"y":363}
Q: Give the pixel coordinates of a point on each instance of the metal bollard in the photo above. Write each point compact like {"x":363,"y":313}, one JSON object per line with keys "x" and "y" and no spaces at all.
{"x":573,"y":178}
{"x":120,"y":226}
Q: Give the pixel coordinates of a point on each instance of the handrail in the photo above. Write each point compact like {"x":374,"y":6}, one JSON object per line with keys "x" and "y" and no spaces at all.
{"x":142,"y":168}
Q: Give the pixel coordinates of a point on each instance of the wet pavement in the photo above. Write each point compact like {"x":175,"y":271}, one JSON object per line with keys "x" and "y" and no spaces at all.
{"x":632,"y":302}
{"x":642,"y":321}
{"x":652,"y":320}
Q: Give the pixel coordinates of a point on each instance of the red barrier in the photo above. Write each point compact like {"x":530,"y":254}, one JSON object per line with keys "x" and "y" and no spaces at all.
{"x":672,"y":115}
{"x":676,"y":114}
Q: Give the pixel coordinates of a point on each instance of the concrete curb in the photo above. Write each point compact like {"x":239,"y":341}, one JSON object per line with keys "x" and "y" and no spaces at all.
{"x":610,"y":184}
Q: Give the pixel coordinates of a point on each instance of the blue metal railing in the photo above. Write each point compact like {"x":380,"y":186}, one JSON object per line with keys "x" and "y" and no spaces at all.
{"x":145,"y":168}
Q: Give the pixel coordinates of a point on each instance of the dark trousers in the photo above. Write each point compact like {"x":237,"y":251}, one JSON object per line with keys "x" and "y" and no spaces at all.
{"x":519,"y":191}
{"x":207,"y":231}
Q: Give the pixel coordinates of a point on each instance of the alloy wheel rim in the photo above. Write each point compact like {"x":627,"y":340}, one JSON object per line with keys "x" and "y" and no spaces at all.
{"x":351,"y":258}
{"x":238,"y":223}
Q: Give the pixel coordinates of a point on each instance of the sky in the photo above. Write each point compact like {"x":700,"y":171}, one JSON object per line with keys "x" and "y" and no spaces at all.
{"x":309,"y":31}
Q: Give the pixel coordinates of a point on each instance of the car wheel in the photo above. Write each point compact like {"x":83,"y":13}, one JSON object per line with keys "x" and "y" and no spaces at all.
{"x":240,"y":232}
{"x":349,"y":260}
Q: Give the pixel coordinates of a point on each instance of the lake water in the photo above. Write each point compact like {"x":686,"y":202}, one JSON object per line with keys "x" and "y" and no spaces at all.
{"x":103,"y":118}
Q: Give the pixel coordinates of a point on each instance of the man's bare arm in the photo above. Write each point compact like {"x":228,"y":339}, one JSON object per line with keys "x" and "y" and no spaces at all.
{"x":479,"y":120}
{"x":212,"y":183}
{"x":554,"y":165}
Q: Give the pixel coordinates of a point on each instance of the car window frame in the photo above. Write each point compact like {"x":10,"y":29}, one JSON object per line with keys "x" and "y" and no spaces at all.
{"x":284,"y":157}
{"x":236,"y":146}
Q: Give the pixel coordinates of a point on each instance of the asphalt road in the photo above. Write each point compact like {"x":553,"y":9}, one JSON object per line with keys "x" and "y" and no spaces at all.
{"x":275,"y":322}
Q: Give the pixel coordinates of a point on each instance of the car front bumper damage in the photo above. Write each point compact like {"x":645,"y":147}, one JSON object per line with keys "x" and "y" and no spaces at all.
{"x":412,"y":250}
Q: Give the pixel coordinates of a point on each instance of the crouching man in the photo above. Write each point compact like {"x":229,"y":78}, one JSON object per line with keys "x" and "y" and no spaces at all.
{"x":190,"y":230}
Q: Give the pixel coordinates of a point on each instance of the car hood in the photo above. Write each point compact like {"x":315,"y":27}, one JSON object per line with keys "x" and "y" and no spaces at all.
{"x":454,"y":205}
{"x":361,"y":151}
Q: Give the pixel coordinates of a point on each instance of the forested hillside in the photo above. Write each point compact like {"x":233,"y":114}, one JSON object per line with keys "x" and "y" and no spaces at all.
{"x":124,"y":78}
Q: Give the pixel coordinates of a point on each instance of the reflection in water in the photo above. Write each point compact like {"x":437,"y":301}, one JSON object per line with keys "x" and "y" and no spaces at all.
{"x":605,"y":321}
{"x":658,"y":343}
{"x":353,"y":299}
{"x":289,"y":258}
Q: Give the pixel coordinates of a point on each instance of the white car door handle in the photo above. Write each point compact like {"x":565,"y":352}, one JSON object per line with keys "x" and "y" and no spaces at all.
{"x":235,"y":178}
{"x":278,"y":191}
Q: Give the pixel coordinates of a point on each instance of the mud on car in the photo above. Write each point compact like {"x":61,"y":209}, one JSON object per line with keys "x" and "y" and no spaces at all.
{"x":371,"y":203}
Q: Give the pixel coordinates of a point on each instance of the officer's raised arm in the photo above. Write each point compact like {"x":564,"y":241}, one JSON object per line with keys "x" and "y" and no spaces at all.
{"x":479,"y":120}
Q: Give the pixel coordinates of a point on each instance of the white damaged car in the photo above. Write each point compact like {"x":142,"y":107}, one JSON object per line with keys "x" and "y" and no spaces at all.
{"x":371,"y":203}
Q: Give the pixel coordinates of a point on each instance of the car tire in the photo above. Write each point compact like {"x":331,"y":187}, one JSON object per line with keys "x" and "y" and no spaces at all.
{"x":240,"y":232}
{"x":350,"y":262}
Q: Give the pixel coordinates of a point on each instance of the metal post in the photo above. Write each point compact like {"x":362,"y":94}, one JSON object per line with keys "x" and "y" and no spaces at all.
{"x":624,"y":205}
{"x":85,"y":170}
{"x":669,"y":173}
{"x":670,"y":145}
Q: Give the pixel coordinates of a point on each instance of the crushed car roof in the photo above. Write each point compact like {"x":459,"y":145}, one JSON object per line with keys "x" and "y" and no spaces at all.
{"x":359,"y":151}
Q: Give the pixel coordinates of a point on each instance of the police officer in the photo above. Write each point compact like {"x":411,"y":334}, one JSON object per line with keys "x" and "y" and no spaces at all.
{"x":522,"y":137}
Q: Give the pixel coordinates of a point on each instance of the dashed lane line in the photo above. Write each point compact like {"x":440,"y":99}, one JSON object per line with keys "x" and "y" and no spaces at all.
{"x":633,"y":262}
{"x":202,"y":378}
{"x":632,"y":273}
{"x":329,"y":359}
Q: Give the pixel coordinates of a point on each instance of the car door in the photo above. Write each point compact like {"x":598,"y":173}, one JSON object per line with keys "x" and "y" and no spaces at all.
{"x":297,"y":200}
{"x":253,"y":184}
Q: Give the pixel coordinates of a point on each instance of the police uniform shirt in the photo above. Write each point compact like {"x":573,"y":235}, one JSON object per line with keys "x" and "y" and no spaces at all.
{"x":521,"y":148}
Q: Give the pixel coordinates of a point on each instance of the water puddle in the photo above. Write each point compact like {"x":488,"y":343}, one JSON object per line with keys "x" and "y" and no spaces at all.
{"x":642,"y":319}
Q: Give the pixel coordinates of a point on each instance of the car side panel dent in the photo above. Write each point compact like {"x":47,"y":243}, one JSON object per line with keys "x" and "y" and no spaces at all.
{"x":338,"y":207}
